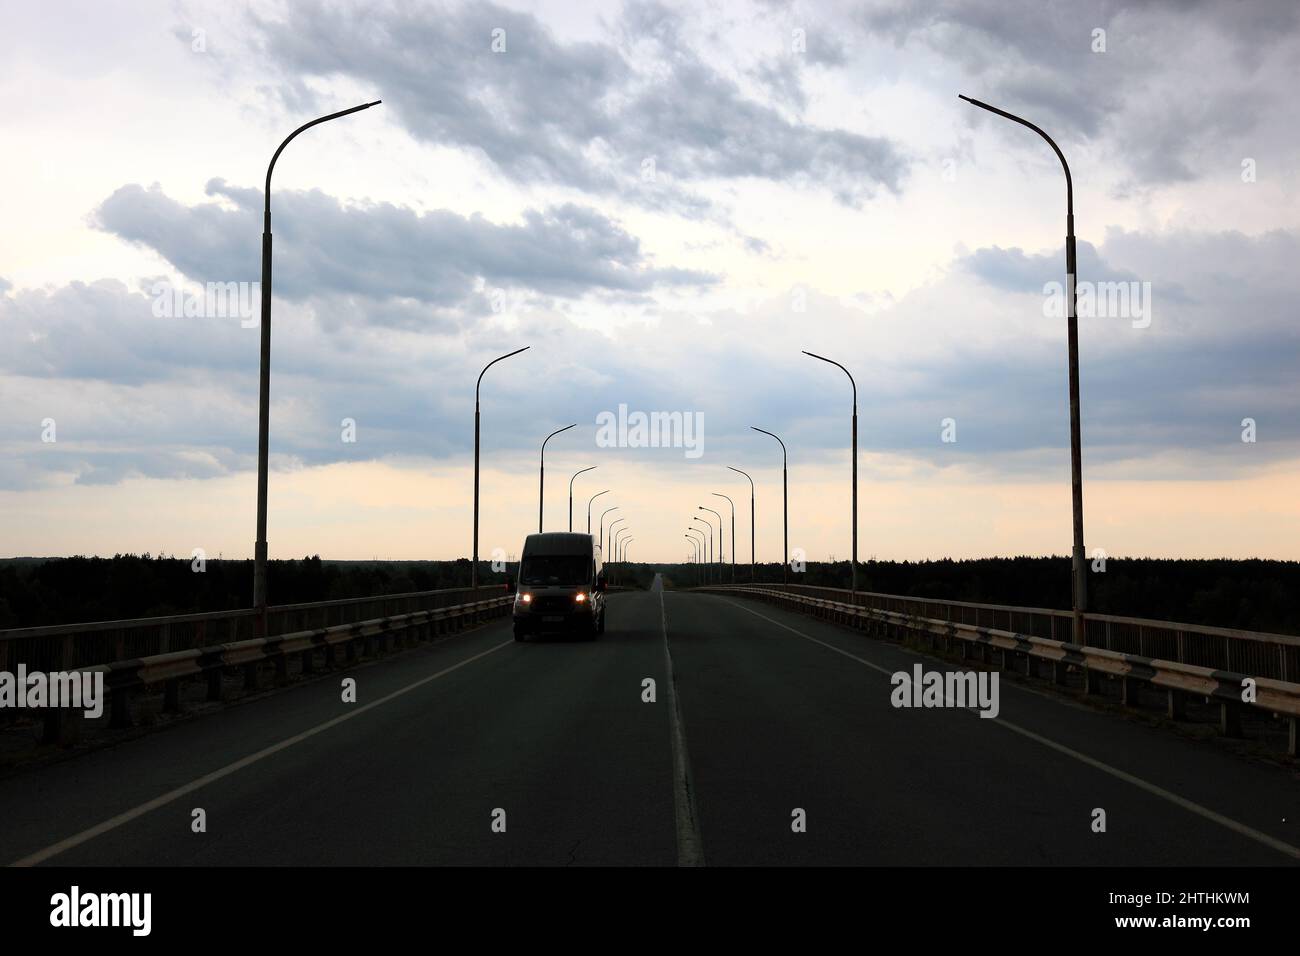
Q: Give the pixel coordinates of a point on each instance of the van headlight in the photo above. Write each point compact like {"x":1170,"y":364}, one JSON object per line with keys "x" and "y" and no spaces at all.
{"x":580,"y":597}
{"x":523,"y":598}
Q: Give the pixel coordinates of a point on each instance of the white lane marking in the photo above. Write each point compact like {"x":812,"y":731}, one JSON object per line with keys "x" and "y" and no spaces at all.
{"x":99,"y":829}
{"x":690,"y":851}
{"x":1188,"y":805}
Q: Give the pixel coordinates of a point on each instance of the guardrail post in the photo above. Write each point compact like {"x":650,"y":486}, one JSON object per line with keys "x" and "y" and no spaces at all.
{"x":57,"y":724}
{"x":1091,"y":681}
{"x":1130,"y":690}
{"x":1292,"y":742}
{"x":1175,"y":705}
{"x":172,"y":696}
{"x":120,"y":708}
{"x":1060,"y":673}
{"x":308,"y":660}
{"x":216,"y":684}
{"x":252,"y":679}
{"x":1230,"y":718}
{"x":60,"y":726}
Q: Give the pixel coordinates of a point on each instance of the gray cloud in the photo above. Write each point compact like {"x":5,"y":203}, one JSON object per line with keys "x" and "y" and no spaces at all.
{"x":576,"y":114}
{"x":177,"y":397}
{"x":1179,"y":86}
{"x":387,"y":253}
{"x":1016,"y":271}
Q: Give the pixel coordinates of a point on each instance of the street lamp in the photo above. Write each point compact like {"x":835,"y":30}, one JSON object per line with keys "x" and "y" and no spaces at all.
{"x":614,"y":540}
{"x":264,"y":384}
{"x":623,"y":558}
{"x":541,"y":474}
{"x":695,"y":548}
{"x":785,"y":508}
{"x":589,"y":501}
{"x":701,"y":571}
{"x":722,"y":539}
{"x":1072,"y":336}
{"x":575,"y":475}
{"x":853,"y":580}
{"x":473,"y":574}
{"x":733,"y":534}
{"x":602,"y":530}
{"x":709,"y":525}
{"x":752,"y":576}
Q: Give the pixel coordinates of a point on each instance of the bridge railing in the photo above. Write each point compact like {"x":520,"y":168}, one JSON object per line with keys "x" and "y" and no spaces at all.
{"x":73,"y":646}
{"x":1179,"y":659}
{"x":1276,"y":656}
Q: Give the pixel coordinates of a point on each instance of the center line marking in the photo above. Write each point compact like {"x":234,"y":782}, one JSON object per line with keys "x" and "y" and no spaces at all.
{"x":690,"y":851}
{"x":1239,"y":828}
{"x":112,"y":823}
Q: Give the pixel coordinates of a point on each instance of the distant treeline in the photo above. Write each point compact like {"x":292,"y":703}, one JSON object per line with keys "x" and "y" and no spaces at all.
{"x":36,"y":591}
{"x":1252,"y":595}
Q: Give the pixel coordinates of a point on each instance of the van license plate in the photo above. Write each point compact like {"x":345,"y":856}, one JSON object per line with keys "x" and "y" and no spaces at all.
{"x":552,"y":619}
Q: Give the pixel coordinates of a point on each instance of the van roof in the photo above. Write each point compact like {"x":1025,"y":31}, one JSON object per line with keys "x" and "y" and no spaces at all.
{"x":559,"y":542}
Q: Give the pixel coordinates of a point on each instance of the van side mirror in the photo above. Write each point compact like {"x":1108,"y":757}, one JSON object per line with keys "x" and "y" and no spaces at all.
{"x":600,"y":583}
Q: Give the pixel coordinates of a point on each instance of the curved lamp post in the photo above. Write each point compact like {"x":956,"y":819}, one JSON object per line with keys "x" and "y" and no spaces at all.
{"x":695,"y":549}
{"x":853,"y":579}
{"x":785,"y":508}
{"x":614,"y":543}
{"x":701,"y":570}
{"x":602,"y":530}
{"x":751,"y":526}
{"x":722,"y":539}
{"x":708,"y":570}
{"x":575,"y":475}
{"x":1072,"y":337}
{"x":473,"y":574}
{"x":589,"y":501}
{"x":613,"y":540}
{"x":264,"y":383}
{"x":541,"y":474}
{"x":733,"y":533}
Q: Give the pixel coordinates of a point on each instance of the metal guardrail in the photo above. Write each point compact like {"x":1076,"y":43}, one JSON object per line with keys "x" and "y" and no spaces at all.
{"x":1276,"y":656}
{"x":1222,"y":684}
{"x":84,"y":645}
{"x":169,"y":669}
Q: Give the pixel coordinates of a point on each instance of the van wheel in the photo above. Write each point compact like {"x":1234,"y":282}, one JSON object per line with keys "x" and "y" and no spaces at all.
{"x":520,"y":635}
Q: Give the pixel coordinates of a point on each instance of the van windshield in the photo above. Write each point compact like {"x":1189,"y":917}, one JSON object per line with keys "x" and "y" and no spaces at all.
{"x":555,"y":569}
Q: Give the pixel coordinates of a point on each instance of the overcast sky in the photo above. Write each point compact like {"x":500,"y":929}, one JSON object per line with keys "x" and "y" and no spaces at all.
{"x":667,"y":204}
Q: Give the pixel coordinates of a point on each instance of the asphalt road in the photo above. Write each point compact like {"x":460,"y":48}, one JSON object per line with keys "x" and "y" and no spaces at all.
{"x":767,"y":712}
